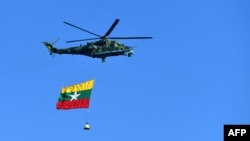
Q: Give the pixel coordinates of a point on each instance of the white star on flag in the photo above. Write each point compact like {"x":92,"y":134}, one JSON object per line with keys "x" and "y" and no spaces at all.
{"x":74,"y":96}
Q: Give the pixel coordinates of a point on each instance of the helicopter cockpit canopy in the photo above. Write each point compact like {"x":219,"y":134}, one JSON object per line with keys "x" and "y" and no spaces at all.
{"x":117,"y":43}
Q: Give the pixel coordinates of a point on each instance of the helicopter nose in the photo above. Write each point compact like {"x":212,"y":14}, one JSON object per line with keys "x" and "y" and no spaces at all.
{"x":130,"y":52}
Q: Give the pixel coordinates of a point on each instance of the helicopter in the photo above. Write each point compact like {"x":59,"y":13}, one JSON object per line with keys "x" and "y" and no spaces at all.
{"x":105,"y":46}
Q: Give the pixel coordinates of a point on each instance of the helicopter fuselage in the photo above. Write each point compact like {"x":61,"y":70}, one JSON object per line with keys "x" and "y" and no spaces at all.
{"x":105,"y":46}
{"x":98,"y":49}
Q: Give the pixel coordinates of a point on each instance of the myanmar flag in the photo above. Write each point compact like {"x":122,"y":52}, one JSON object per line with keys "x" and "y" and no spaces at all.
{"x":75,"y":96}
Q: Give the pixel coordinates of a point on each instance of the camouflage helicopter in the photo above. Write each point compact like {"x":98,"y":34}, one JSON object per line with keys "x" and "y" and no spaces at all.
{"x":104,"y":47}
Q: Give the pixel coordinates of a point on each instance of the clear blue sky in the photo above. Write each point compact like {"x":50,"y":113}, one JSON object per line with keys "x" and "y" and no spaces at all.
{"x":184,"y":84}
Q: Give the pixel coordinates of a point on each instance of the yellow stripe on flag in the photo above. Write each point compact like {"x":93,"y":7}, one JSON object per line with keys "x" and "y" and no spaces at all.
{"x":78,"y":87}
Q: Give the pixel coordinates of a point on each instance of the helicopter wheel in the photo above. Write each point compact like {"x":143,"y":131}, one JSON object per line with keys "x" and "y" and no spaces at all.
{"x":103,"y":59}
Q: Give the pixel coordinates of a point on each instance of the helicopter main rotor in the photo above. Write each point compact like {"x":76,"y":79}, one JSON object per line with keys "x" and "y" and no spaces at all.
{"x":105,"y":36}
{"x":82,"y":29}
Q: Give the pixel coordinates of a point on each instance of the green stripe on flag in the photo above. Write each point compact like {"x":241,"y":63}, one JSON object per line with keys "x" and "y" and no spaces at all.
{"x":83,"y":95}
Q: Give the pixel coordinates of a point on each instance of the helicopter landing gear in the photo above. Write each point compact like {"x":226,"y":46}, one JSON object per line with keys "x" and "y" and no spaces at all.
{"x":103,"y":59}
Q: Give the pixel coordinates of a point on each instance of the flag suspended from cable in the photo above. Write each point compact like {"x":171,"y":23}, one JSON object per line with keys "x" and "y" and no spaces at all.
{"x":75,"y":96}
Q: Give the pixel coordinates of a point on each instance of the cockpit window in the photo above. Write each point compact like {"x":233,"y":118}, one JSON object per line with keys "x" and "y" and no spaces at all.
{"x":117,"y":43}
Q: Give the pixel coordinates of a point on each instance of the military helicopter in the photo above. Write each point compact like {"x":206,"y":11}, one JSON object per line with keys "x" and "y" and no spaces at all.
{"x":104,"y":47}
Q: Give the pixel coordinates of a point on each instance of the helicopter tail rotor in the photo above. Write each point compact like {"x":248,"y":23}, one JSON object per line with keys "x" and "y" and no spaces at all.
{"x":55,"y":41}
{"x":50,"y":47}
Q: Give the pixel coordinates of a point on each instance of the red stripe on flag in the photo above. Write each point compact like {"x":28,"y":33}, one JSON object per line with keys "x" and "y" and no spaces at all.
{"x":74,"y":104}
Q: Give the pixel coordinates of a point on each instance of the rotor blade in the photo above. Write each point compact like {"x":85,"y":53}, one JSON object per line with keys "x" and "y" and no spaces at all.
{"x":82,"y":40}
{"x":130,"y":37}
{"x":111,"y":28}
{"x":82,"y":29}
{"x":55,"y":41}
